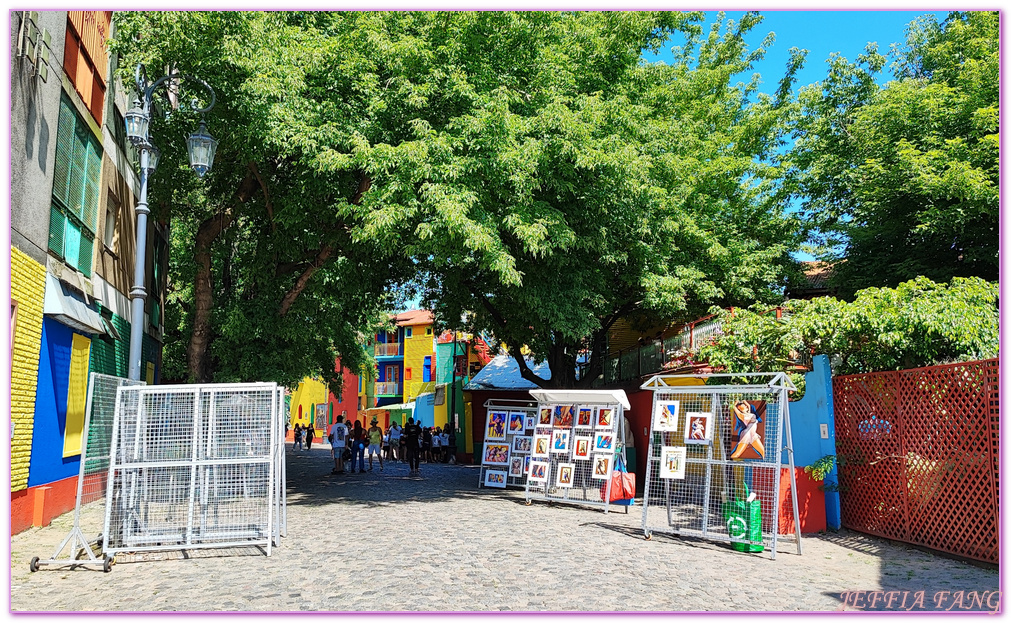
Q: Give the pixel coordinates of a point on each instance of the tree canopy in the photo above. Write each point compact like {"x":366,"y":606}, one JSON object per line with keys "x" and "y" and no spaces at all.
{"x":902,"y":180}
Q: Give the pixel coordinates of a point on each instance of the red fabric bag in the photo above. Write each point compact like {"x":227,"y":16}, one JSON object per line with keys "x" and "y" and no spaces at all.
{"x":622,"y":483}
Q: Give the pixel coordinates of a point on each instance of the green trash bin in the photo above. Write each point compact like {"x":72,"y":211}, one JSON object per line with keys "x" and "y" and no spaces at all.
{"x":744,"y":521}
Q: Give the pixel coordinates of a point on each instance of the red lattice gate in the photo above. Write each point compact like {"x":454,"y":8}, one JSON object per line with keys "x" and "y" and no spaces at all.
{"x":918,"y":455}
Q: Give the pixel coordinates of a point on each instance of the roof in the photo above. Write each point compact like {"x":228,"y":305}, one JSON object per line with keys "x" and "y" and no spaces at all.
{"x":414,"y":317}
{"x":503,"y":372}
{"x":817,"y":274}
{"x":582,"y":396}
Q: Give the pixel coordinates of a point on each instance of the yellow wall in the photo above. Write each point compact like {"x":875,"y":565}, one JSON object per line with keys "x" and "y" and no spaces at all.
{"x":416,"y":348}
{"x":28,"y":288}
{"x":310,"y":392}
{"x":442,"y":411}
{"x":77,"y":394}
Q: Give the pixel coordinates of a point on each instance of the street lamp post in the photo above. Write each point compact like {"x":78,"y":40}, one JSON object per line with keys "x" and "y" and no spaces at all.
{"x":201,"y":147}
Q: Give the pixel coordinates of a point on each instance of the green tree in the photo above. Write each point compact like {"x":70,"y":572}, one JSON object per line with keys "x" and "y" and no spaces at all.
{"x":902,"y":181}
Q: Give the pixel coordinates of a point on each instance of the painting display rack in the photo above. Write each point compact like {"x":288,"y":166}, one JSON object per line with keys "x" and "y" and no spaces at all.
{"x":511,"y":473}
{"x":583,"y":432}
{"x":714,"y":459}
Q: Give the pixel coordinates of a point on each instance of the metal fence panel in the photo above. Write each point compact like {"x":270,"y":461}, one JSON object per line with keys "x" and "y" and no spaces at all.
{"x":703,"y":477}
{"x":918,"y":452}
{"x":518,"y":451}
{"x":194,"y":466}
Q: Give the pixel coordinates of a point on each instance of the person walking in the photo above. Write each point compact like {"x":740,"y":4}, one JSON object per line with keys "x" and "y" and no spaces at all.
{"x":338,"y":441}
{"x":395,"y":442}
{"x":436,"y":445}
{"x":444,"y":445}
{"x":297,"y":445}
{"x":426,"y":445}
{"x":375,"y":442}
{"x":358,"y":447}
{"x":412,"y":438}
{"x":310,"y":434}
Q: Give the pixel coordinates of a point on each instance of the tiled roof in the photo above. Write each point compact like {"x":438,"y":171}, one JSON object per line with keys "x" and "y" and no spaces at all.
{"x":414,"y":317}
{"x":818,"y":274}
{"x":503,"y":372}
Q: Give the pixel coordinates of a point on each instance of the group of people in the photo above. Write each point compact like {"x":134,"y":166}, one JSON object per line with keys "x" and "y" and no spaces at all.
{"x":412,"y":443}
{"x":303,"y":434}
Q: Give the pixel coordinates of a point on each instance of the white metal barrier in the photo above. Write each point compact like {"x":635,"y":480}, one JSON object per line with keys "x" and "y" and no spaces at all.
{"x":195,"y":466}
{"x":713,"y":468}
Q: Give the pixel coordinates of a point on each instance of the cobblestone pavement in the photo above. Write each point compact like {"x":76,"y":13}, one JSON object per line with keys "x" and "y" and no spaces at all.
{"x":441,"y":543}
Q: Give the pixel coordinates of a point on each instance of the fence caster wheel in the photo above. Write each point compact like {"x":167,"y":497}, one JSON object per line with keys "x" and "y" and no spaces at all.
{"x":649,"y":536}
{"x":33,"y":566}
{"x":107,"y":564}
{"x":529,"y":502}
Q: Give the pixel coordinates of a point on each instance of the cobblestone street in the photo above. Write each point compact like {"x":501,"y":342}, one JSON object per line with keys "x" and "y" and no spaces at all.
{"x":384,"y":542}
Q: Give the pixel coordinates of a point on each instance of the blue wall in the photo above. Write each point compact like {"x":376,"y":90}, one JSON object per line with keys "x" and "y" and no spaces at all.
{"x":424,"y":409}
{"x":47,"y":462}
{"x":806,"y":417}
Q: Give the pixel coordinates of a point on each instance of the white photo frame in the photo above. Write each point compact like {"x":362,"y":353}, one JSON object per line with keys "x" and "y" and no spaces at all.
{"x":526,"y":465}
{"x":672,"y":462}
{"x":566,"y":475}
{"x":602,"y":464}
{"x":495,"y":427}
{"x":516,"y":465}
{"x":517,"y":422}
{"x":495,"y":478}
{"x":538,"y":471}
{"x":666,"y":416}
{"x":522,"y":444}
{"x":603,"y":441}
{"x":560,"y":441}
{"x":604,"y":418}
{"x":495,"y":454}
{"x":584,"y":417}
{"x":581,"y":448}
{"x":541,"y":447}
{"x":698,"y":427}
{"x":530,"y":421}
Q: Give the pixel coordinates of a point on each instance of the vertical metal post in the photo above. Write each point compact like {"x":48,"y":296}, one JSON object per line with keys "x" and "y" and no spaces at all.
{"x":138,"y":294}
{"x":111,"y":479}
{"x":793,"y":475}
{"x":193,"y":465}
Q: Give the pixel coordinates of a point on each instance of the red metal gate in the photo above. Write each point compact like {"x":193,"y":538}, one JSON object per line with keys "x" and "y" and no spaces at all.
{"x":918,"y":454}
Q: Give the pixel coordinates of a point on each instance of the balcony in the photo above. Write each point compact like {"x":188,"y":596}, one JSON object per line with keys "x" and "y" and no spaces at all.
{"x":389,"y":389}
{"x":649,"y":359}
{"x":388,"y":350}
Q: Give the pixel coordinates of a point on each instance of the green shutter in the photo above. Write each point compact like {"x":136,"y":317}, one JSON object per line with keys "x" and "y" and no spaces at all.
{"x":64,"y":151}
{"x":78,"y":170}
{"x":56,"y":225}
{"x":92,"y":184}
{"x":72,"y":244}
{"x":155,"y":313}
{"x":87,"y":245}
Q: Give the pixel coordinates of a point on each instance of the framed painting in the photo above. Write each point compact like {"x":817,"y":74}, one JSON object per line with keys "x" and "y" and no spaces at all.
{"x":665,"y":416}
{"x":516,"y":466}
{"x":538,"y":471}
{"x":495,"y":454}
{"x":581,"y":447}
{"x":495,"y":478}
{"x":748,"y":420}
{"x":560,"y":441}
{"x":521,"y":444}
{"x":584,"y":417}
{"x":526,"y":465}
{"x":672,"y":462}
{"x":563,"y":416}
{"x":544,"y":418}
{"x":531,"y":421}
{"x":542,"y":443}
{"x":603,"y":442}
{"x":566,"y":474}
{"x":516,"y":422}
{"x":602,"y":466}
{"x":698,"y":427}
{"x":496,"y":428}
{"x":605,"y":417}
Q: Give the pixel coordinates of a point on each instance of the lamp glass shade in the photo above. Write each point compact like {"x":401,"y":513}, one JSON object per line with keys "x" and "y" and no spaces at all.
{"x":153,"y":155}
{"x":136,"y":125}
{"x":201,"y":147}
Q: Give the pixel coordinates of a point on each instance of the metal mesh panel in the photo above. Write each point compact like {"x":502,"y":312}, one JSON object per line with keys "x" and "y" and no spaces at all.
{"x":518,"y":449}
{"x":194,"y":466}
{"x":918,"y":451}
{"x":713,"y":465}
{"x":571,"y":475}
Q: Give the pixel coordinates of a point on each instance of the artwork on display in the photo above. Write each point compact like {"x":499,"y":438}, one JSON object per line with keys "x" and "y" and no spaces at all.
{"x":526,"y":465}
{"x":495,"y":478}
{"x":545,"y":417}
{"x":516,"y":422}
{"x":582,"y":447}
{"x":521,"y":444}
{"x":698,"y":427}
{"x":584,"y":417}
{"x":665,"y":416}
{"x":605,"y":417}
{"x":560,"y":441}
{"x":566,"y":473}
{"x":516,"y":466}
{"x":538,"y":471}
{"x":496,"y":454}
{"x":672,"y":462}
{"x":603,"y":442}
{"x":531,"y":421}
{"x":496,"y":425}
{"x":602,"y":466}
{"x":563,"y":416}
{"x":541,"y":445}
{"x":748,"y":418}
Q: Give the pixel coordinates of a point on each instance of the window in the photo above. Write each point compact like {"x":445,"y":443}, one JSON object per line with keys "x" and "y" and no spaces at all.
{"x":407,"y":332}
{"x":428,"y":331}
{"x":426,"y":372}
{"x":76,"y":181}
{"x":407,"y":374}
{"x":111,"y":210}
{"x":393,"y":374}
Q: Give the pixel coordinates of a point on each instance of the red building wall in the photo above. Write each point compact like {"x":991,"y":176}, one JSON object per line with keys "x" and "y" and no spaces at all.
{"x":348,"y":402}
